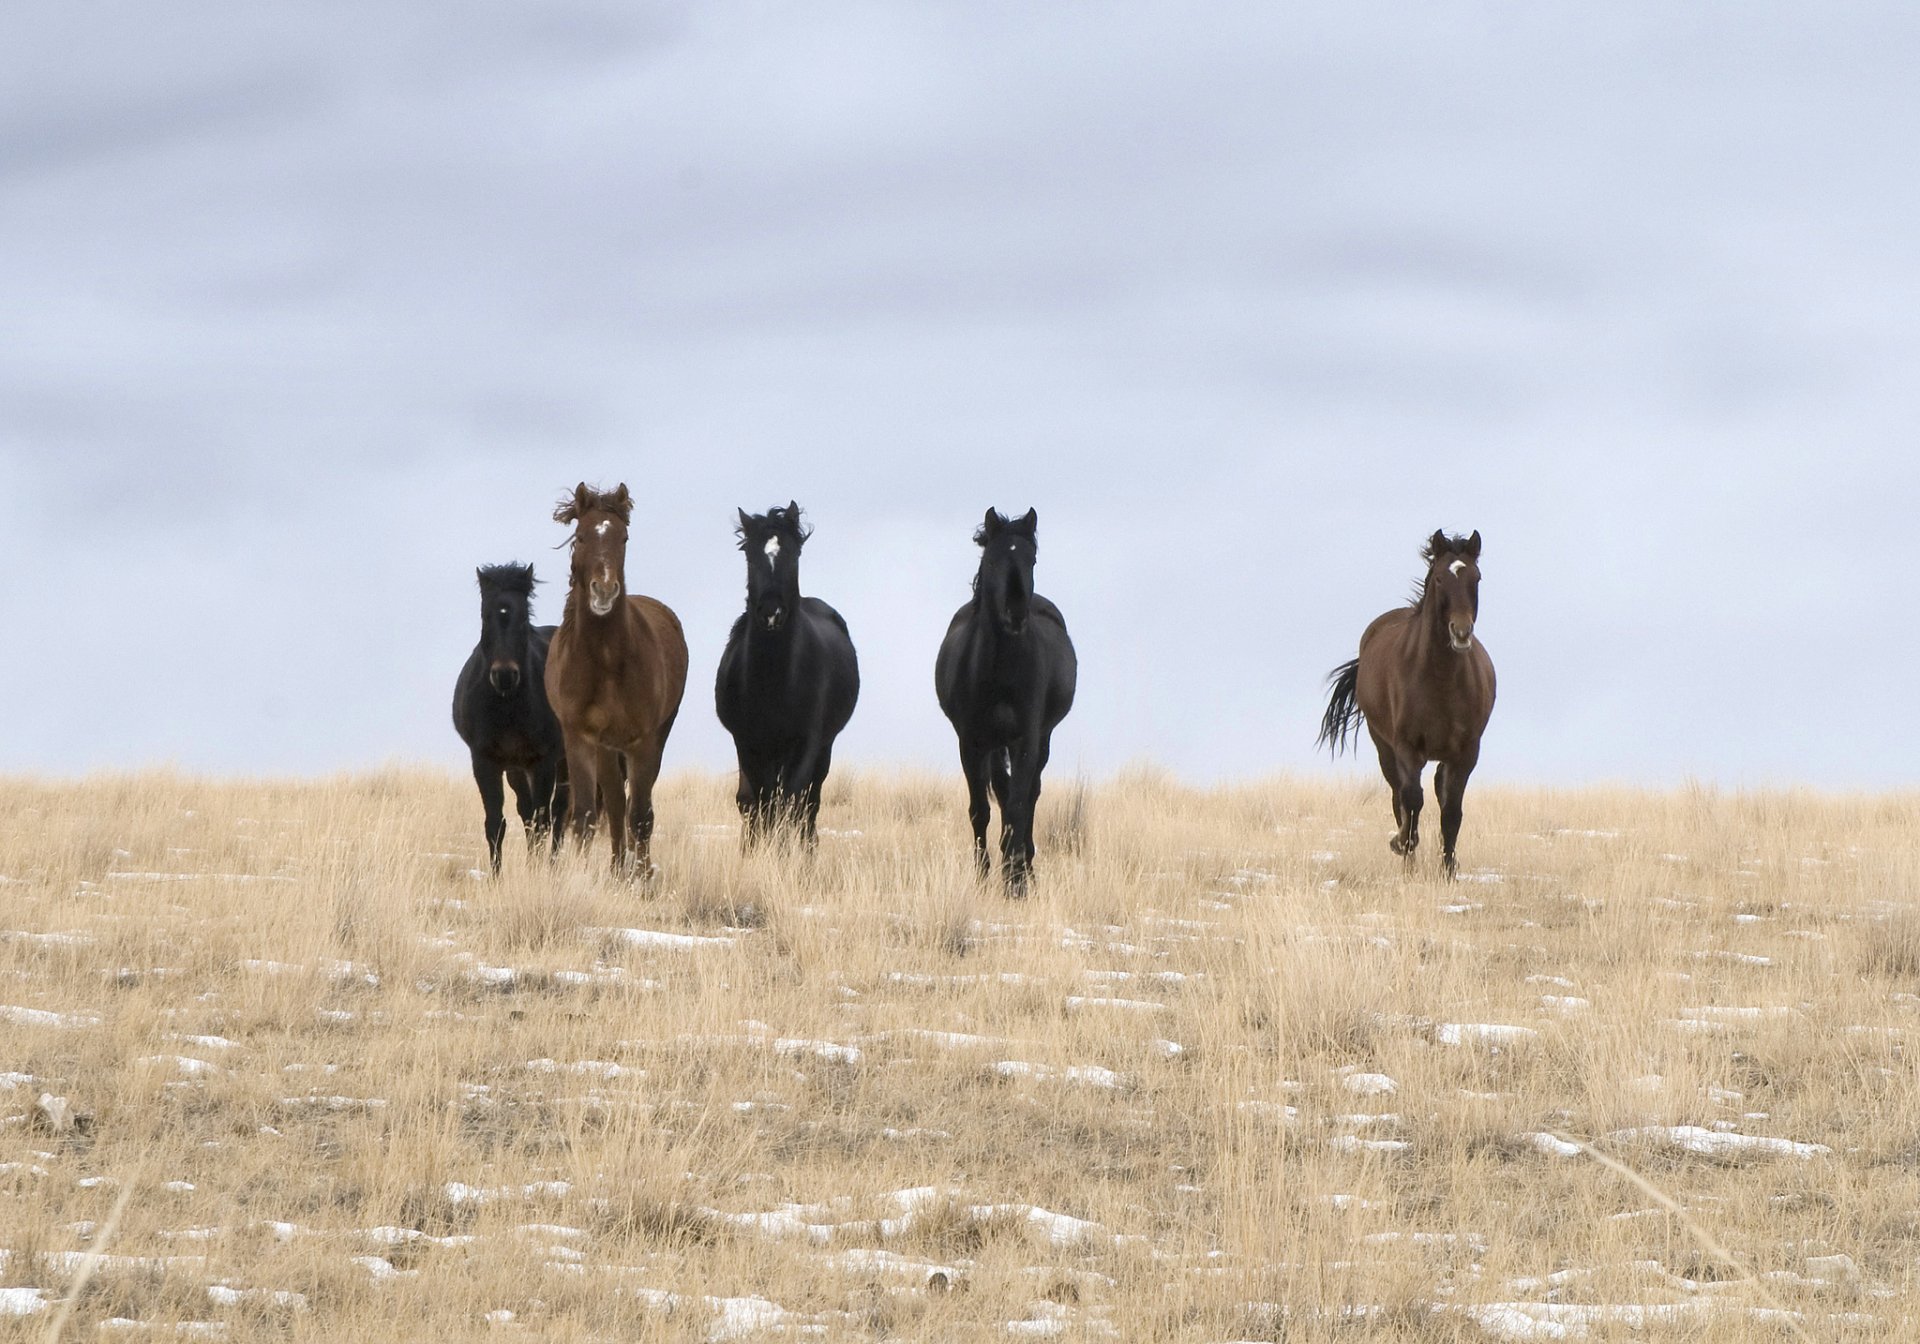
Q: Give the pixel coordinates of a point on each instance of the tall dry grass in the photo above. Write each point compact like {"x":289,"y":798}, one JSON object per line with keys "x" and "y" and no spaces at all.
{"x":367,"y":1095}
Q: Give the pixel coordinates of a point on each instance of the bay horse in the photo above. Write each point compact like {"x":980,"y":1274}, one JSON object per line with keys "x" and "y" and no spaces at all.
{"x":788,"y":681}
{"x":501,"y":712}
{"x":1005,"y":678}
{"x":615,"y":674}
{"x":1423,"y":685}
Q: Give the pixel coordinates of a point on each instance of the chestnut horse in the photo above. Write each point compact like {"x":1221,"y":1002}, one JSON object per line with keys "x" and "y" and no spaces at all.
{"x":615,"y":673}
{"x":1423,"y":685}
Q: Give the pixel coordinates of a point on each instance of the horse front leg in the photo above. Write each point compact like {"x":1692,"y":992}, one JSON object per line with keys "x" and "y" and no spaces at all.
{"x":1450,"y":787}
{"x":1027,"y":760}
{"x":613,"y":803}
{"x":803,"y":777}
{"x":643,"y":769}
{"x":583,"y":788}
{"x":526,"y":801}
{"x":1410,"y":800}
{"x":493,"y":797}
{"x":975,"y":764}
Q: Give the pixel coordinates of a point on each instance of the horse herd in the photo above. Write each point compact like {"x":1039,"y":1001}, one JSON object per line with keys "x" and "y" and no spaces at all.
{"x":575,"y":717}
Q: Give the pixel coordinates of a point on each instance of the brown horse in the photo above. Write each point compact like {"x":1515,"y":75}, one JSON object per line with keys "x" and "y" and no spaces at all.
{"x":615,"y":673}
{"x":1423,"y":684}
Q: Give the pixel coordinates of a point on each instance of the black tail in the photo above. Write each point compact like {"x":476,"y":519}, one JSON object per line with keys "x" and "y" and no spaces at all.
{"x":1341,"y":723}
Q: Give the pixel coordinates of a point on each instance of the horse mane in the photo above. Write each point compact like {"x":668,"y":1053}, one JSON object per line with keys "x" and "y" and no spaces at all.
{"x":782,"y":520}
{"x":586,"y":498}
{"x":1435,"y":546}
{"x":508,"y":578}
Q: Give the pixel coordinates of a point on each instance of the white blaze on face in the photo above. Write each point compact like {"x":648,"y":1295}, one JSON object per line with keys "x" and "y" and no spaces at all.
{"x":600,"y":528}
{"x":772,"y":549}
{"x":1455,"y":568}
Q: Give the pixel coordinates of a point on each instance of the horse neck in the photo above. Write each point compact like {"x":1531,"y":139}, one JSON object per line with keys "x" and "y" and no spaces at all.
{"x":768,"y":652}
{"x":1429,"y":648}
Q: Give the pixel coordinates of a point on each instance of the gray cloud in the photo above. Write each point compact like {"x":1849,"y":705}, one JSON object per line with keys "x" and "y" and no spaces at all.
{"x":308,"y":311}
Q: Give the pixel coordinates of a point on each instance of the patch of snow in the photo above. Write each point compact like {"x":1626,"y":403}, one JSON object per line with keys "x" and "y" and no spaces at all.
{"x":40,"y":1017}
{"x":1714,"y":1143}
{"x":658,"y":938}
{"x":1481,"y":1033}
{"x":1551,"y":1145}
{"x":1369,"y":1084}
{"x":1091,"y":1075}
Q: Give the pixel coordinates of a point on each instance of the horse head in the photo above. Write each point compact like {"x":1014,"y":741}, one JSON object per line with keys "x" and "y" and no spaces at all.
{"x":599,"y":543}
{"x":1453,"y":583}
{"x":1008,"y":550}
{"x":506,"y":626}
{"x":771,"y":541}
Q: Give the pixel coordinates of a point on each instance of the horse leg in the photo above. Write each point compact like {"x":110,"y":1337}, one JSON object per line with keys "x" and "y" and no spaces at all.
{"x":804,"y":777}
{"x":544,"y":822}
{"x":493,"y":799}
{"x":975,"y":764}
{"x":643,"y":768}
{"x":746,"y":796}
{"x":583,"y":788}
{"x":1411,"y":800}
{"x":1022,"y":796}
{"x":1000,"y":780}
{"x":613,"y":803}
{"x":524,"y":802}
{"x":816,"y":778}
{"x":1390,"y":767}
{"x":1450,"y":786}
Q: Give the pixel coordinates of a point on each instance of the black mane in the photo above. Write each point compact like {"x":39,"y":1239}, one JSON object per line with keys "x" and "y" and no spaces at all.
{"x":782,"y":521}
{"x":509,"y":578}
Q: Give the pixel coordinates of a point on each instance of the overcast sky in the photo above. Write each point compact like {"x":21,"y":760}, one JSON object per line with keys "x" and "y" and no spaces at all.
{"x":306,"y":310}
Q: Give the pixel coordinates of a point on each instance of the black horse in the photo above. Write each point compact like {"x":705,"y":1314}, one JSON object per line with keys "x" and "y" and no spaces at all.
{"x":1005,"y":677}
{"x":787,"y":683}
{"x":500,"y":711}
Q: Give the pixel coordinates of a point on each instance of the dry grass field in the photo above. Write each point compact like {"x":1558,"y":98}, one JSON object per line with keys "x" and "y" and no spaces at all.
{"x":1229,"y":1074}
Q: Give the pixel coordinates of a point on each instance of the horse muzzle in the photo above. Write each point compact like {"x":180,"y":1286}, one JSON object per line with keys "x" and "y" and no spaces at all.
{"x":1459,"y":636}
{"x":504,"y":678}
{"x":774,"y":618}
{"x":600,"y":599}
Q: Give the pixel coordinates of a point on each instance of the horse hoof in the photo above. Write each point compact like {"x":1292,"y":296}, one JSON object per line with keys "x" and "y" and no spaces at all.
{"x":1397,"y":845}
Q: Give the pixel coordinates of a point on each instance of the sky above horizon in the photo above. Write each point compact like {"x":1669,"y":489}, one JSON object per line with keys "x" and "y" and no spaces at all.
{"x":306,"y":311}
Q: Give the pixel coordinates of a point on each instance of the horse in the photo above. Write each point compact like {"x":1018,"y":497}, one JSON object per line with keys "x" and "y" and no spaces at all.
{"x":1423,"y":685}
{"x":1005,"y":677}
{"x":501,"y":712}
{"x":787,"y":683}
{"x":615,"y":674}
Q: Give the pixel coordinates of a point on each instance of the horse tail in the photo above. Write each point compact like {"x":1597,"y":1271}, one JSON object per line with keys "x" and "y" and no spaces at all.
{"x":1341,"y":723}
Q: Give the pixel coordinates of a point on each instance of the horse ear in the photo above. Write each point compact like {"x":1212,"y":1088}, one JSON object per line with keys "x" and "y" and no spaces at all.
{"x":620,"y":501}
{"x":793,"y":510}
{"x":1027,"y":522}
{"x":745,"y":519}
{"x":1437,"y":544}
{"x":991,"y":525}
{"x":1473,"y":545}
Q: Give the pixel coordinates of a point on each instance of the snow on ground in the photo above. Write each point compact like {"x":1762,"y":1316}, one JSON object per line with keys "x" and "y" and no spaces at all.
{"x":1053,"y":1021}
